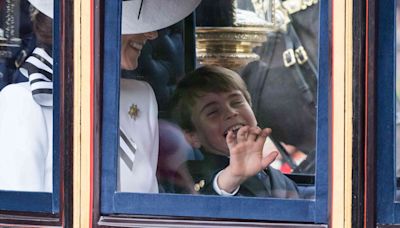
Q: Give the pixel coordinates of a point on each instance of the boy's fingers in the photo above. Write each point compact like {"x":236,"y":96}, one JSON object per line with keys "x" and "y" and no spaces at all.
{"x":254,"y":132}
{"x":266,"y":161}
{"x":266,"y":132}
{"x":230,"y":139}
{"x":262,"y":137}
{"x":242,"y":134}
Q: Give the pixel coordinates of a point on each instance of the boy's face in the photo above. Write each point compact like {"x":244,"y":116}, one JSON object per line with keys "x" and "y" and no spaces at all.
{"x":214,"y":114}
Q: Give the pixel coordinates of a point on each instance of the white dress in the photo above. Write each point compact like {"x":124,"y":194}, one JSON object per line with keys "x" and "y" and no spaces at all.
{"x":137,"y":169}
{"x":26,"y":141}
{"x":26,"y":149}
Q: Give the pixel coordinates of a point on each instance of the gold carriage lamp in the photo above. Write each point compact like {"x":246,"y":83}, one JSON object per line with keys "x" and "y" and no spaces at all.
{"x":9,"y":27}
{"x":227,"y":31}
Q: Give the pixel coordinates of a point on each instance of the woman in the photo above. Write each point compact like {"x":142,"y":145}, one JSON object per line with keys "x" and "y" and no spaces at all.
{"x":26,"y":134}
{"x":138,"y":152}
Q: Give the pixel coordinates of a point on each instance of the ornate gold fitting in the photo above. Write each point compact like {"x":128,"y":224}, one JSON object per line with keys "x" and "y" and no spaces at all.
{"x":232,"y":45}
{"x":294,"y":6}
{"x":307,"y":3}
{"x":289,"y":58}
{"x":301,"y":55}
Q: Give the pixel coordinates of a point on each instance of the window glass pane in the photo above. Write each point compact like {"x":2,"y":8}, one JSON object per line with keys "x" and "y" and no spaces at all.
{"x":29,"y":179}
{"x":148,"y":147}
{"x":29,"y":146}
{"x":26,"y":113}
{"x":281,"y":94}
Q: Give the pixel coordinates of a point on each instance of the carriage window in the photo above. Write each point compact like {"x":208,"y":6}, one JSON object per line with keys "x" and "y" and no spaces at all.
{"x":29,"y":165}
{"x":236,"y":116}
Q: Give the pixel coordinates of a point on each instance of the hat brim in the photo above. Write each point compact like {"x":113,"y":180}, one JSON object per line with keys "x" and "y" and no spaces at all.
{"x":154,"y":15}
{"x":44,"y":6}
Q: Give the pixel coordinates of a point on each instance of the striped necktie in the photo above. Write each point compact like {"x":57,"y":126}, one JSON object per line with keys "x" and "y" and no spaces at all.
{"x":38,"y":68}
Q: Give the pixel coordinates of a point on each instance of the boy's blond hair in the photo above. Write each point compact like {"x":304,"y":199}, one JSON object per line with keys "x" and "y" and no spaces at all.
{"x":206,"y":79}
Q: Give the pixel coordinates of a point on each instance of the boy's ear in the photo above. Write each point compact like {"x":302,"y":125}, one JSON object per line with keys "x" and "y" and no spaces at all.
{"x":192,"y":138}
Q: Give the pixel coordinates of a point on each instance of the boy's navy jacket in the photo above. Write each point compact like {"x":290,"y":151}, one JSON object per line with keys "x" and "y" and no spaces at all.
{"x":268,"y":183}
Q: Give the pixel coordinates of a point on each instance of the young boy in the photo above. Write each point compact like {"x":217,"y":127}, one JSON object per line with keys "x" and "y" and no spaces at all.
{"x":213,"y":107}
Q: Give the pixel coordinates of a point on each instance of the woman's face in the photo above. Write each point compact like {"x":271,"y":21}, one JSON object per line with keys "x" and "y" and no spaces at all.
{"x":131,"y":46}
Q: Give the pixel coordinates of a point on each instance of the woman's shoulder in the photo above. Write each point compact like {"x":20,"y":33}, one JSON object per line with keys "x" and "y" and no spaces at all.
{"x":133,"y":83}
{"x":16,"y":89}
{"x":17,"y":96}
{"x":134,"y":87}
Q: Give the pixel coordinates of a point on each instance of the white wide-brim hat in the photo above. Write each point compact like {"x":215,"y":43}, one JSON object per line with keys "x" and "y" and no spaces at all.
{"x":44,"y":6}
{"x":154,"y":14}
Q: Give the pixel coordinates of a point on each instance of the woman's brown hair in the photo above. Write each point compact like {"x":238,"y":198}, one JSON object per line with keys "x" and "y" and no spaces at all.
{"x":43,"y":28}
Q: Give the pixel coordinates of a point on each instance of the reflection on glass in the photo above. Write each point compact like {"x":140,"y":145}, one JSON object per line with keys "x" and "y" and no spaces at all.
{"x":26,"y":100}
